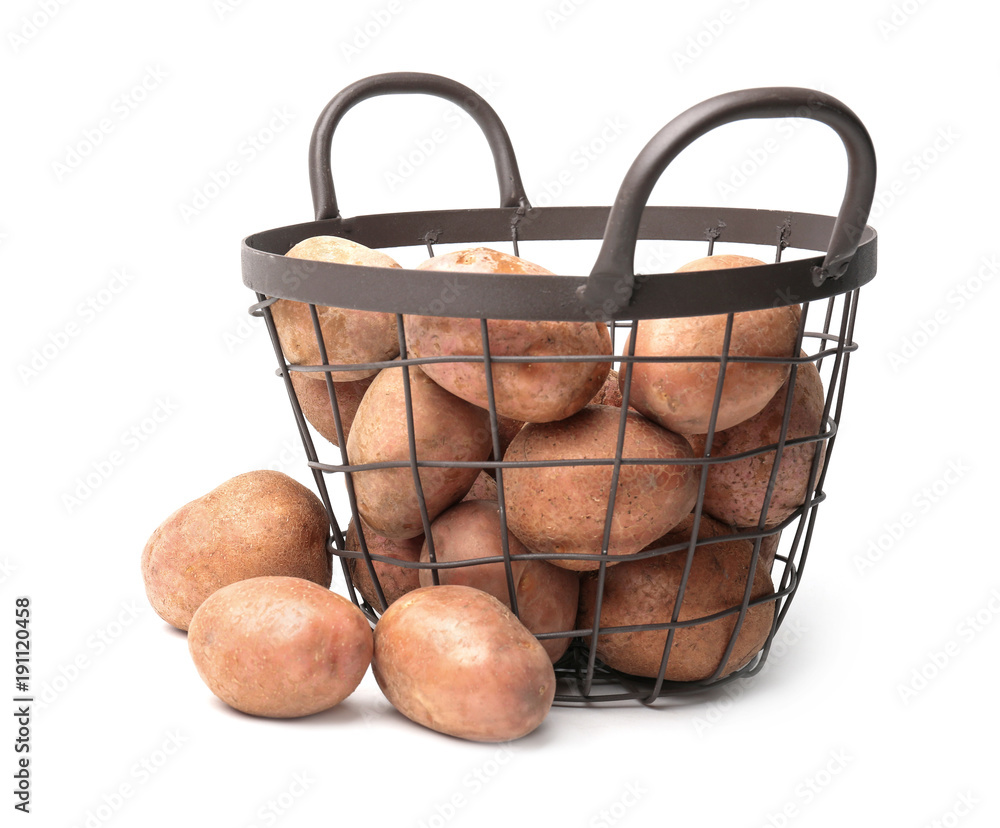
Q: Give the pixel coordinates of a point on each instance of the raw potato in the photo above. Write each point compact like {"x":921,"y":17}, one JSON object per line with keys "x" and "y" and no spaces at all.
{"x":350,"y":336}
{"x":547,"y":595}
{"x":258,"y":523}
{"x":645,"y":591}
{"x":280,"y":647}
{"x":314,"y":400}
{"x":456,"y":660}
{"x":485,"y":488}
{"x":679,"y":395}
{"x":610,"y":393}
{"x":395,"y":581}
{"x":735,"y":489}
{"x":533,"y":392}
{"x":445,"y":429}
{"x":562,"y":509}
{"x":709,"y":527}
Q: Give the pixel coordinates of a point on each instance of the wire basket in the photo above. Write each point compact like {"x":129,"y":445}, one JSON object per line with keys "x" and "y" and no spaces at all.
{"x":824,"y":286}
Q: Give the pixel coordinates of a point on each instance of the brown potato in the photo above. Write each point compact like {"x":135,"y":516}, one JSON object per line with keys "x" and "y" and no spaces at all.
{"x":258,"y":523}
{"x":349,"y":336}
{"x":485,"y":488}
{"x":445,"y":429}
{"x":735,"y":489}
{"x":456,"y":660}
{"x":314,"y":400}
{"x":547,"y":595}
{"x":680,"y":395}
{"x":610,"y":393}
{"x":562,"y":509}
{"x":280,"y":647}
{"x":395,"y":581}
{"x":645,"y":592}
{"x":710,"y":527}
{"x":532,"y":392}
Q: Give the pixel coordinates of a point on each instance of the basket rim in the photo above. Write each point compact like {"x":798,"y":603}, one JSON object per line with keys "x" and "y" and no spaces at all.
{"x":516,"y":296}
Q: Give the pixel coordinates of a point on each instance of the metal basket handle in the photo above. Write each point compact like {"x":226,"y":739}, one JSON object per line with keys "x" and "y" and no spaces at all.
{"x":391,"y":83}
{"x":612,"y":279}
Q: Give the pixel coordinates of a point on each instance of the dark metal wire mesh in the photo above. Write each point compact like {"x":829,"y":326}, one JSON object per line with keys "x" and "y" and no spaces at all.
{"x":825,"y":338}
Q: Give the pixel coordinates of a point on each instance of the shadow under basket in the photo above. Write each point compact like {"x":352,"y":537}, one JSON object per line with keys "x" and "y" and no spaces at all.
{"x":837,"y":257}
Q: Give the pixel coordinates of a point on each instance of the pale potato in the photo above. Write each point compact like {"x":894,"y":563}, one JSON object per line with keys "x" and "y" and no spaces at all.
{"x":546,"y":595}
{"x":258,"y":523}
{"x":314,"y":400}
{"x":680,"y":395}
{"x":446,"y":429}
{"x":395,"y":581}
{"x":349,"y":336}
{"x":645,"y":592}
{"x":562,"y":509}
{"x":736,"y":488}
{"x":531,"y":391}
{"x":456,"y":660}
{"x":280,"y":647}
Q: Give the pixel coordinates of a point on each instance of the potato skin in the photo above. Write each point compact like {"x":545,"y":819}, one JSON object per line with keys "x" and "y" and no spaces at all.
{"x":395,"y":581}
{"x":561,"y":509}
{"x":350,"y":336}
{"x":314,"y":400}
{"x":547,"y":595}
{"x":532,"y":392}
{"x":456,"y":660}
{"x":485,"y":488}
{"x":280,"y":647}
{"x":680,"y":395}
{"x":644,"y":592}
{"x":257,"y":523}
{"x":735,"y":489}
{"x":445,"y":428}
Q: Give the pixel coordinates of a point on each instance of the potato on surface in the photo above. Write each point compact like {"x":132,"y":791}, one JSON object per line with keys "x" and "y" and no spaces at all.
{"x":547,"y":595}
{"x":562,"y":509}
{"x":735,"y":489}
{"x":645,"y":592}
{"x":680,"y":395}
{"x":532,"y":391}
{"x":456,"y":660}
{"x":446,"y":429}
{"x":280,"y":647}
{"x":258,"y":523}
{"x":349,"y":336}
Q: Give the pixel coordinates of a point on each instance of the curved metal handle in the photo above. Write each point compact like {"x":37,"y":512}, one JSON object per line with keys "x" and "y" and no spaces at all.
{"x":392,"y":83}
{"x":612,"y":279}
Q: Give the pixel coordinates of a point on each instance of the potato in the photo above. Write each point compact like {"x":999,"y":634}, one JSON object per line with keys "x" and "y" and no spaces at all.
{"x":679,"y":395}
{"x":456,"y":660}
{"x":258,"y":523}
{"x":280,"y":647}
{"x":645,"y":591}
{"x":547,"y":595}
{"x":562,"y":509}
{"x":709,"y":527}
{"x":395,"y":581}
{"x":610,"y":393}
{"x":735,"y":489}
{"x":314,"y":400}
{"x":485,"y":488}
{"x":445,"y":429}
{"x":534,"y":391}
{"x":769,"y":550}
{"x":350,"y":336}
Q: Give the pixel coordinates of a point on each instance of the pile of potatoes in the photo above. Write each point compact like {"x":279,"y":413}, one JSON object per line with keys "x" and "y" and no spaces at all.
{"x":475,"y":602}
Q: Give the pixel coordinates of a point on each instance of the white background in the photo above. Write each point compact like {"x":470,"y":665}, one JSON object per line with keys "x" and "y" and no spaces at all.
{"x":878,"y":703}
